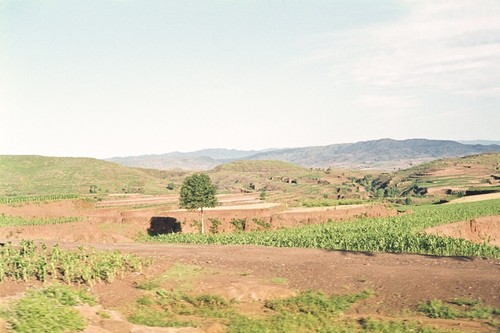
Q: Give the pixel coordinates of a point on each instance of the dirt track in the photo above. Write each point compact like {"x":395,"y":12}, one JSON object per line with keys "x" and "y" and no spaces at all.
{"x":399,"y":280}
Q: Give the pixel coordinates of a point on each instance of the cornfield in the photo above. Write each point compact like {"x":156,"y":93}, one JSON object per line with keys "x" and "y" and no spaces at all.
{"x":84,"y":266}
{"x":11,"y":221}
{"x":36,"y":198}
{"x":397,"y":234}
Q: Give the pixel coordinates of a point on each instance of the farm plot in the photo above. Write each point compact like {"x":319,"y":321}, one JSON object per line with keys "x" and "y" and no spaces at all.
{"x":399,"y":234}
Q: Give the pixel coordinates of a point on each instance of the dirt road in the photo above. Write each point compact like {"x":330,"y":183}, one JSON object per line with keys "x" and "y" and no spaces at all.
{"x":398,"y":280}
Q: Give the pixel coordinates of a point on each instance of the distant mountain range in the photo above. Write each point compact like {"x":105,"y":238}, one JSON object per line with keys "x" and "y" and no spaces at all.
{"x":376,"y":154}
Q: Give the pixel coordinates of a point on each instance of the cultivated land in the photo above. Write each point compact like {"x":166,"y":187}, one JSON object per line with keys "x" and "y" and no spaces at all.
{"x":280,"y":235}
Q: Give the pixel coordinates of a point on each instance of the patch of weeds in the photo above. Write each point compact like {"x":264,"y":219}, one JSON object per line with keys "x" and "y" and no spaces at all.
{"x":48,"y":310}
{"x":156,"y":318}
{"x":307,"y":312}
{"x":458,"y":308}
{"x":279,"y":280}
{"x":372,"y":325}
{"x":214,"y":225}
{"x":148,"y":285}
{"x":67,"y":296}
{"x":144,"y":300}
{"x":103,"y":314}
{"x":261,"y":223}
{"x":317,"y":303}
{"x":154,"y":309}
{"x":239,"y":224}
{"x":436,"y":309}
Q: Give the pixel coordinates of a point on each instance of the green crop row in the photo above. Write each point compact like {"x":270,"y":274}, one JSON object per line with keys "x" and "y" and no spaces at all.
{"x":397,"y":234}
{"x":84,"y":266}
{"x":11,"y":221}
{"x":36,"y":198}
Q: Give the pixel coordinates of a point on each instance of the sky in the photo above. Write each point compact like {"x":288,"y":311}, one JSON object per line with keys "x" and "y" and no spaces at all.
{"x":130,"y":77}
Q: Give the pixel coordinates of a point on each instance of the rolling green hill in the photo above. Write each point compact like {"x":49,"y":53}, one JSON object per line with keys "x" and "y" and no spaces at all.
{"x":26,"y":175}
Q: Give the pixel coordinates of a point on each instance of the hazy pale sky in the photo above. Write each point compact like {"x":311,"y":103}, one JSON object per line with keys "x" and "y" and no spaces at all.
{"x":113,"y":78}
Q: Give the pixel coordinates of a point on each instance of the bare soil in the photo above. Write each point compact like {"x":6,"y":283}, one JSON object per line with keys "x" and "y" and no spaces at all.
{"x":124,"y":224}
{"x":478,"y":230}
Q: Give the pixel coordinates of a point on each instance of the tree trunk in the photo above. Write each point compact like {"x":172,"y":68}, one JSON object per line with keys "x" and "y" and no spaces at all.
{"x":202,"y":222}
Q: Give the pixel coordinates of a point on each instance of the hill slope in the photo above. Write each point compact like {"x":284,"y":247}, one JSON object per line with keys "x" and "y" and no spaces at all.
{"x":378,"y":154}
{"x":25,"y":175}
{"x":472,"y":174}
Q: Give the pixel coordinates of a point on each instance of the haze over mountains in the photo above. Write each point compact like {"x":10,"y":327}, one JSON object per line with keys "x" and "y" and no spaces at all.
{"x":375,"y":154}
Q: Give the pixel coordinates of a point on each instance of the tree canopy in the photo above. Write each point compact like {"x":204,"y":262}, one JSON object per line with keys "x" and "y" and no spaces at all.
{"x":198,"y":192}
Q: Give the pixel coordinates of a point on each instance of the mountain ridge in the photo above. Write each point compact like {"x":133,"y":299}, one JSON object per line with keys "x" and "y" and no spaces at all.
{"x":374,"y":154}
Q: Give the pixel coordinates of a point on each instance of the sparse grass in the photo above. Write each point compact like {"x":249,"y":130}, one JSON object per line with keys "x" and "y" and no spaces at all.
{"x":181,"y":276}
{"x":180,"y":273}
{"x":307,"y":312}
{"x":279,"y":280}
{"x":36,"y":198}
{"x":330,"y":202}
{"x":11,"y":221}
{"x":49,"y":310}
{"x":103,"y":314}
{"x":458,"y":308}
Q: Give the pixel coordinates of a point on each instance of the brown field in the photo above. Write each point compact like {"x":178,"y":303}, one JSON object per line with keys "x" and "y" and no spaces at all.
{"x":246,"y":273}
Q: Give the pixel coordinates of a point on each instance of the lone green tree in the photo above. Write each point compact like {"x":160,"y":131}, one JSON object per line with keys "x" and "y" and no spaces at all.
{"x":198,"y":192}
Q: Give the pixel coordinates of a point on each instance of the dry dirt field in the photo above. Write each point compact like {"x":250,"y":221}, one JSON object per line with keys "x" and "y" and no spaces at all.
{"x":249,"y":273}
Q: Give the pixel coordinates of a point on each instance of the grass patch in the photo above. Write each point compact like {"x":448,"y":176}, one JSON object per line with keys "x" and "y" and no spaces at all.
{"x":307,"y":312}
{"x":14,"y":221}
{"x":36,"y":198}
{"x":458,"y":308}
{"x":279,"y":280}
{"x":330,"y":202}
{"x":49,"y":310}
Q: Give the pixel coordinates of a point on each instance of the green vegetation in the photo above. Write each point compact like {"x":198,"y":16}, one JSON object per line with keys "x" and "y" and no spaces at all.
{"x":38,"y":175}
{"x":307,"y":312}
{"x":36,"y":198}
{"x":459,"y":308}
{"x":83,"y":266}
{"x":279,"y":280}
{"x":259,"y":166}
{"x":464,"y":173}
{"x":198,"y":192}
{"x":324,"y":202}
{"x":399,"y":234}
{"x":179,"y":274}
{"x":11,"y":221}
{"x":48,"y":310}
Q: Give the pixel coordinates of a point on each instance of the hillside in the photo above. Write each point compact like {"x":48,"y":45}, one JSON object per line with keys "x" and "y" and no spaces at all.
{"x":384,"y":154}
{"x":25,"y":175}
{"x":286,"y":182}
{"x":473,"y":174}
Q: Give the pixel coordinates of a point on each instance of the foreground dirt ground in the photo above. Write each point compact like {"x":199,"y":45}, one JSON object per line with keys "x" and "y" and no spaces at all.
{"x":253,"y":274}
{"x":249,"y":274}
